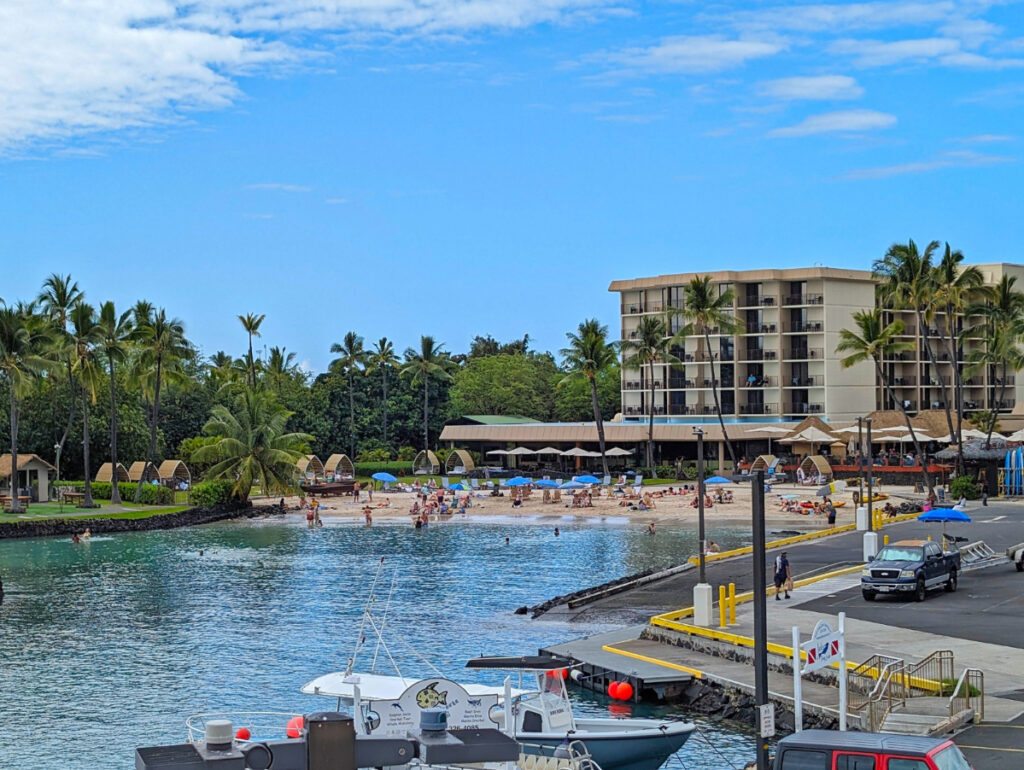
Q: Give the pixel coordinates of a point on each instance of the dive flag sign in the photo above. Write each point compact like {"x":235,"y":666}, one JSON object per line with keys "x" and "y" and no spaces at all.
{"x":823,"y":648}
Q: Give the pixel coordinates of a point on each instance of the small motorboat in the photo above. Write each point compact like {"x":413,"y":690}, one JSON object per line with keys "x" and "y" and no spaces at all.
{"x":538,"y":713}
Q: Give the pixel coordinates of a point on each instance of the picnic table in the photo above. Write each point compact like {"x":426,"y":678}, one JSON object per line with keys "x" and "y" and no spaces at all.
{"x":6,"y":500}
{"x":73,"y":497}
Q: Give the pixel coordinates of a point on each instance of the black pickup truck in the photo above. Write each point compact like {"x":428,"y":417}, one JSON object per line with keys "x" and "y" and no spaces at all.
{"x":910,"y":566}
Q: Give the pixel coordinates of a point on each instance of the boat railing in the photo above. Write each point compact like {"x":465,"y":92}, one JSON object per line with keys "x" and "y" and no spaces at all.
{"x":261,"y":725}
{"x":573,"y":755}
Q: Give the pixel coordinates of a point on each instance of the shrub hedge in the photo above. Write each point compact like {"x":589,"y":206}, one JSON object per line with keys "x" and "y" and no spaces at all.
{"x":151,"y":493}
{"x":207,"y":493}
{"x":964,"y":485}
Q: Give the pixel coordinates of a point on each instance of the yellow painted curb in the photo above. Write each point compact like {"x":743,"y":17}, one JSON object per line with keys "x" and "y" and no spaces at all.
{"x":774,"y":544}
{"x":696,"y":673}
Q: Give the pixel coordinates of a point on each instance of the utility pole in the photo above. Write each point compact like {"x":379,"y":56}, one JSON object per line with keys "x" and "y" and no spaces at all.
{"x":760,"y":620}
{"x":702,"y":599}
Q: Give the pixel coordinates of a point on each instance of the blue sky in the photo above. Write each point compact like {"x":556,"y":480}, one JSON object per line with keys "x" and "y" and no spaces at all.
{"x":461,"y":167}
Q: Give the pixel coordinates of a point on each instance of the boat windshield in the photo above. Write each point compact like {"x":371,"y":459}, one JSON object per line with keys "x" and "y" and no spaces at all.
{"x":950,"y":758}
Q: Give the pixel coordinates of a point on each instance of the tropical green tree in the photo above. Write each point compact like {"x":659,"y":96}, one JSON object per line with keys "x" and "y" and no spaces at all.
{"x":651,"y":345}
{"x":352,"y":359}
{"x":382,"y":358}
{"x":252,"y":445}
{"x":506,"y":384}
{"x":58,"y":295}
{"x":86,"y":336}
{"x":280,"y":368}
{"x":116,"y":333}
{"x":23,"y":345}
{"x":251,"y":323}
{"x":704,"y":309}
{"x":588,"y":354}
{"x":163,"y":349}
{"x":957,"y":286}
{"x":421,"y":366}
{"x":874,"y":340}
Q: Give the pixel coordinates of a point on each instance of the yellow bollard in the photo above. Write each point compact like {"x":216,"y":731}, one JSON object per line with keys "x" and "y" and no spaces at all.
{"x":732,"y":604}
{"x":929,"y":538}
{"x":721,"y":606}
{"x":885,"y":540}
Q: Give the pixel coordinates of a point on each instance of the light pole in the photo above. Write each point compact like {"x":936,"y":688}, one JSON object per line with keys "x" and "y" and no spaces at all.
{"x":761,"y":621}
{"x":702,"y":600}
{"x":870,"y":536}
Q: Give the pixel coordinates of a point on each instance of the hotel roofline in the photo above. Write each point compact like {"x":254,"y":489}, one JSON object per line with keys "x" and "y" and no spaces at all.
{"x":746,"y":276}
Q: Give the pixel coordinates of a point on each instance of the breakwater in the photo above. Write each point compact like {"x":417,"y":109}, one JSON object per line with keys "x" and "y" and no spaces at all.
{"x":188,"y":518}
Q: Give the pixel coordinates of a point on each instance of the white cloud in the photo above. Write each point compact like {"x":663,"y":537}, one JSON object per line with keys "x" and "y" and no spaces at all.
{"x":841,"y":121}
{"x":811,"y":88}
{"x":983,"y":139}
{"x":958,"y":159}
{"x":844,"y":16}
{"x":878,"y":53}
{"x":686,"y":54}
{"x":283,"y":187}
{"x":95,"y":66}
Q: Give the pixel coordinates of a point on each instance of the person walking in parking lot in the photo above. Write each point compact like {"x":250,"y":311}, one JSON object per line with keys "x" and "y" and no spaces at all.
{"x":783,"y":579}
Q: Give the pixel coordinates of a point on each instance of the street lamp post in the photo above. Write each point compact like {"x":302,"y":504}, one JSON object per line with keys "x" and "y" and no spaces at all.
{"x":870,"y":537}
{"x":702,"y":599}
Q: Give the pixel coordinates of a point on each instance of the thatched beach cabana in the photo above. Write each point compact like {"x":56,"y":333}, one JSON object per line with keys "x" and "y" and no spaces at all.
{"x":339,"y":466}
{"x":459,"y":462}
{"x":174,"y":473}
{"x":106,"y":473}
{"x":310,"y":467}
{"x":426,"y":464}
{"x":144,"y":470}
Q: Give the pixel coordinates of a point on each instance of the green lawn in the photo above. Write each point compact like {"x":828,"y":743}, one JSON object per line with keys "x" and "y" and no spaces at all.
{"x":46,"y":511}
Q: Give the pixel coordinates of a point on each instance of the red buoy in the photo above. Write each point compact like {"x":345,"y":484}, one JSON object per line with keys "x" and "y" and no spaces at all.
{"x":295,"y":725}
{"x":564,"y":673}
{"x":625,"y":691}
{"x":613,"y":690}
{"x":243,"y":734}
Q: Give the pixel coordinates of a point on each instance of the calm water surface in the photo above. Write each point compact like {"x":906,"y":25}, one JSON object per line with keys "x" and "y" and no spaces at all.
{"x":111,"y":644}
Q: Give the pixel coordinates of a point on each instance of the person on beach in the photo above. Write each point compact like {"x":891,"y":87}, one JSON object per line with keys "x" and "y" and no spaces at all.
{"x":713,"y":547}
{"x":355,"y":492}
{"x":830,"y":510}
{"x":87,"y":534}
{"x":782,"y":575}
{"x":369,"y":492}
{"x":650,"y":528}
{"x":368,"y":515}
{"x":75,"y":538}
{"x":557,"y":532}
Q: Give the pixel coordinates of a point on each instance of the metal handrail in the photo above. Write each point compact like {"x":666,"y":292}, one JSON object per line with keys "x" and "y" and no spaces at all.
{"x":926,"y":677}
{"x":963,"y":697}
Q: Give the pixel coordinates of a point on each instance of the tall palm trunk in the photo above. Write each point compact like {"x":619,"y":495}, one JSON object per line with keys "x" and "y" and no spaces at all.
{"x":718,"y":406}
{"x":87,"y":499}
{"x":152,"y":427}
{"x":599,"y":422}
{"x":958,"y":391}
{"x":426,"y":422}
{"x":906,"y":418}
{"x":252,"y":365}
{"x":650,"y":426}
{"x":994,"y":411}
{"x":935,"y":368}
{"x":384,"y":404}
{"x":351,"y":419}
{"x":15,"y":479}
{"x":71,"y":409}
{"x":115,"y":490}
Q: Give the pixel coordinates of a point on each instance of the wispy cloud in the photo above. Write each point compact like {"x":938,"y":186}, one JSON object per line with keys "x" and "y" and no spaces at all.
{"x":685,"y":54}
{"x":843,"y":16}
{"x":635,"y":119}
{"x":841,"y":121}
{"x":281,"y":186}
{"x":957,"y":159}
{"x":880,"y":53}
{"x":824,"y":87}
{"x":983,"y":139}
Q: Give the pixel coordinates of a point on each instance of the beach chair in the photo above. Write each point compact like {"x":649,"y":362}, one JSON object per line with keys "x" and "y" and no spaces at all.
{"x":474,"y":483}
{"x":639,"y":480}
{"x":607,"y":481}
{"x":444,"y":482}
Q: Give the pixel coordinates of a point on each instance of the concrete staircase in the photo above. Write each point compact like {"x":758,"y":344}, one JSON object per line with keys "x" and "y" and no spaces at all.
{"x":926,"y":716}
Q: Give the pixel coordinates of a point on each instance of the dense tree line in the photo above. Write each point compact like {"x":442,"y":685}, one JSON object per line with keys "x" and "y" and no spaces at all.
{"x":93,"y":383}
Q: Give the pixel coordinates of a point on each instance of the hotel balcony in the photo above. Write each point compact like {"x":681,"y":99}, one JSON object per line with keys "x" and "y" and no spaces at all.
{"x":802,"y":354}
{"x":803,"y":299}
{"x":815,"y":381}
{"x":755,"y":354}
{"x":761,"y":300}
{"x":805,"y":408}
{"x":759,"y":408}
{"x":802,"y":328}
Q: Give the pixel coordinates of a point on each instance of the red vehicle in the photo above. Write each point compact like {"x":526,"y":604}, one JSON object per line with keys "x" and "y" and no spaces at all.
{"x":831,"y":750}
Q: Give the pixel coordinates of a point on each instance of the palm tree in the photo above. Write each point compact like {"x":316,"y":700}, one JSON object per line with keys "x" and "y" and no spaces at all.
{"x":908,"y":283}
{"x":874,"y":340}
{"x":86,"y":336}
{"x":352,"y":359}
{"x":224,"y":370}
{"x":1001,"y":325}
{"x":251,"y":323}
{"x":59,"y":294}
{"x":429,"y":363}
{"x":650,"y":345}
{"x":23,"y":341}
{"x":252,"y":445}
{"x":956,"y":287}
{"x":163,"y":349}
{"x":588,"y":354}
{"x":280,"y":366}
{"x":703,"y":311}
{"x":382,"y":358}
{"x":117,"y":331}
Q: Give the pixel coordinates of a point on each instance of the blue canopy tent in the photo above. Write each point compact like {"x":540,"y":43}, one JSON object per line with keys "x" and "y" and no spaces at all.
{"x":588,"y":479}
{"x":944,"y":515}
{"x":546,"y":483}
{"x":573,"y":485}
{"x":718,"y":480}
{"x":516,"y":481}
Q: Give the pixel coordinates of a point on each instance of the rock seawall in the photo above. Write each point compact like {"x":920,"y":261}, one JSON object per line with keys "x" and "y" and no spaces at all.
{"x":191,"y":517}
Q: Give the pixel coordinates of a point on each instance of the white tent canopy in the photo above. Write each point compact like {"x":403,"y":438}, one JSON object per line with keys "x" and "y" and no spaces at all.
{"x":617,"y":452}
{"x":549,"y":450}
{"x":521,"y":450}
{"x":1016,"y":435}
{"x":579,"y":452}
{"x":809,"y":435}
{"x":497,"y":452}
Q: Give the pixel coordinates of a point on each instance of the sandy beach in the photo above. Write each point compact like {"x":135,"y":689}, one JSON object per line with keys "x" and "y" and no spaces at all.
{"x":668,"y":508}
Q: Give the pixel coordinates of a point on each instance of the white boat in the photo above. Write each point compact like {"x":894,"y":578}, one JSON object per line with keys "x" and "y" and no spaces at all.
{"x":540,"y":718}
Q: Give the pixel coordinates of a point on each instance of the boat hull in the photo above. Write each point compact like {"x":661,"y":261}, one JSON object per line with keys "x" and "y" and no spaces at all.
{"x":624,"y":748}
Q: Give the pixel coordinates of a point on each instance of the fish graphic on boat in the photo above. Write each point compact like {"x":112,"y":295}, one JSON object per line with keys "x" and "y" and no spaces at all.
{"x":429,"y":697}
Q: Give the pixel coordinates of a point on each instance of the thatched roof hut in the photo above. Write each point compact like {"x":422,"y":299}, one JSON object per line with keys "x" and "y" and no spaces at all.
{"x":975,"y":451}
{"x":144,"y":470}
{"x":814,"y":466}
{"x":339,"y":466}
{"x":106,"y":473}
{"x":764,"y":463}
{"x":174,"y":471}
{"x":426,"y":464}
{"x":309,"y":466}
{"x":459,"y":461}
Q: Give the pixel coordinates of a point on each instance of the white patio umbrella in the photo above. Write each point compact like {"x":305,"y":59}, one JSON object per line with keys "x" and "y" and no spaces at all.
{"x":521,"y":450}
{"x":973,"y":433}
{"x":579,"y":452}
{"x":549,"y":450}
{"x":497,"y":452}
{"x":617,"y":452}
{"x":1016,"y":435}
{"x":770,"y":429}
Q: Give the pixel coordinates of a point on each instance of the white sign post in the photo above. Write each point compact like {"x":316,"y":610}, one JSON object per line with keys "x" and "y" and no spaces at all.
{"x":767,"y":720}
{"x":825,"y":648}
{"x":798,"y":690}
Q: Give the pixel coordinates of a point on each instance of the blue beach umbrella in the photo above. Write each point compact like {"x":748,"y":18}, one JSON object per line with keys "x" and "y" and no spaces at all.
{"x":718,"y":480}
{"x":942,"y":515}
{"x":588,"y":479}
{"x":547,"y":483}
{"x":516,"y":481}
{"x":573,"y":485}
{"x":456,"y":487}
{"x":383,"y":477}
